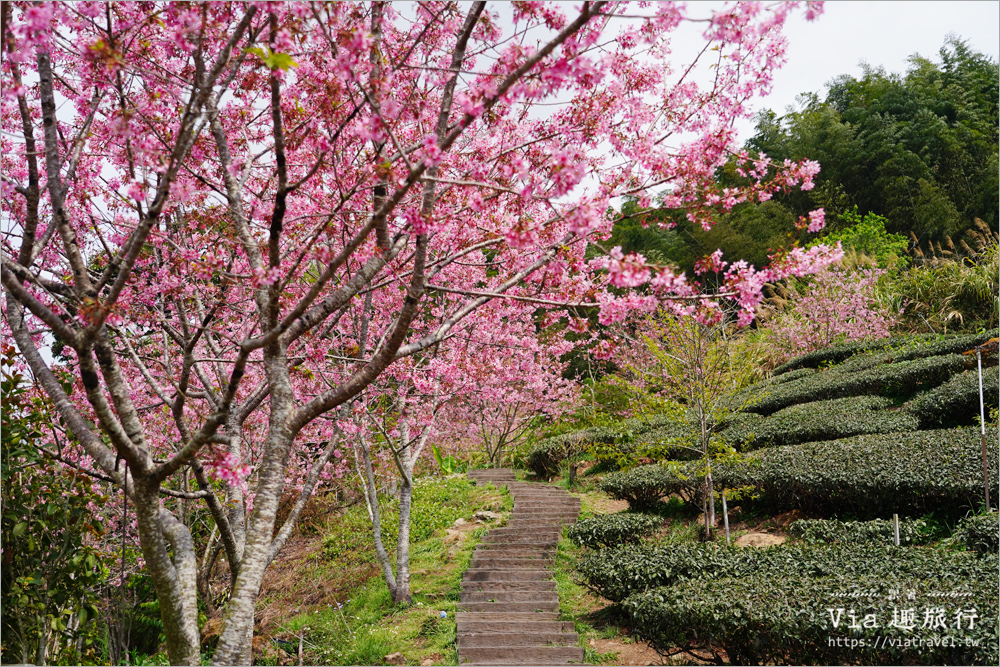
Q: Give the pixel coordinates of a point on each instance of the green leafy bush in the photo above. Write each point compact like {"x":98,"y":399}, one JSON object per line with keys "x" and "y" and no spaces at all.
{"x":740,"y":430}
{"x":643,"y":487}
{"x":901,"y":378}
{"x":981,"y":532}
{"x":877,"y":531}
{"x":898,"y":348}
{"x":871,"y":475}
{"x":764,"y":620}
{"x":545,"y":458}
{"x":612,"y":529}
{"x":609,"y":443}
{"x":617,"y":573}
{"x":830,"y":420}
{"x":956,"y":402}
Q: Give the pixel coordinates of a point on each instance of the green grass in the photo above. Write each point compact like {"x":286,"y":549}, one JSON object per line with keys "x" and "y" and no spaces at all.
{"x":369,"y":626}
{"x":590,"y":620}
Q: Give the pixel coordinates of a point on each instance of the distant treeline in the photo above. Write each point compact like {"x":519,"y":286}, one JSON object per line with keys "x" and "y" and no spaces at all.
{"x":919,"y":149}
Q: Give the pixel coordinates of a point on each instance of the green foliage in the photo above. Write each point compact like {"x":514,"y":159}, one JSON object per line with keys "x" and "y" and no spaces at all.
{"x":902,"y":378}
{"x":609,"y":530}
{"x":619,"y":442}
{"x":766,"y":619}
{"x":981,"y":532}
{"x":829,"y":420}
{"x":643,"y":487}
{"x":950,"y":294}
{"x":449,"y":464}
{"x":956,"y":402}
{"x":545,"y":458}
{"x":51,"y":570}
{"x":872,"y":475}
{"x":877,"y":531}
{"x":867,"y":236}
{"x":274,"y":60}
{"x":615,"y":574}
{"x":437,"y":502}
{"x":919,"y":149}
{"x":898,"y":348}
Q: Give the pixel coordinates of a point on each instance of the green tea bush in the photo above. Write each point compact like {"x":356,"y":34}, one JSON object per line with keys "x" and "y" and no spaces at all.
{"x":898,"y":348}
{"x":902,"y":378}
{"x":545,"y":457}
{"x":956,"y":402}
{"x":830,"y":420}
{"x":612,"y":529}
{"x":877,"y":531}
{"x":609,"y":442}
{"x":617,"y":573}
{"x":740,"y":430}
{"x":831,"y":355}
{"x":643,"y":487}
{"x":871,"y":475}
{"x":981,"y":532}
{"x":766,"y":620}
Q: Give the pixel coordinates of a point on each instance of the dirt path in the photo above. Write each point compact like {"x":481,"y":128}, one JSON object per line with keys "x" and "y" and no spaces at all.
{"x":509,"y":609}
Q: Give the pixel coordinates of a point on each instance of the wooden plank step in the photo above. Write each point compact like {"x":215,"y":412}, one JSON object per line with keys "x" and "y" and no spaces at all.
{"x":490,"y":574}
{"x":515,"y":627}
{"x":499,"y":586}
{"x":509,"y":607}
{"x":527,"y":638}
{"x":509,"y":596}
{"x":526,"y":655}
{"x":508,"y":617}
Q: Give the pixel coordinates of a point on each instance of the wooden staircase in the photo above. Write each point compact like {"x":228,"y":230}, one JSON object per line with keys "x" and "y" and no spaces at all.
{"x":509,"y":609}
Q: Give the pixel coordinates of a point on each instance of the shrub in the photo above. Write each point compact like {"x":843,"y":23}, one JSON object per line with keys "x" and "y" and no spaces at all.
{"x":899,"y":347}
{"x":643,"y":487}
{"x":545,"y":458}
{"x":615,"y":574}
{"x":610,"y":442}
{"x":833,"y":305}
{"x":612,"y":529}
{"x":830,"y":420}
{"x":981,"y":532}
{"x":740,"y":430}
{"x":789,"y":620}
{"x":956,"y":402}
{"x":877,"y":531}
{"x":871,"y":475}
{"x":901,"y":378}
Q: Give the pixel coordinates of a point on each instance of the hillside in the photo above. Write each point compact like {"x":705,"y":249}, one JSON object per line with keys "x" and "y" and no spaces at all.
{"x":831,"y":447}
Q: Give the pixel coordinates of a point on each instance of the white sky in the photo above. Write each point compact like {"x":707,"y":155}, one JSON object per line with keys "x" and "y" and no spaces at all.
{"x":879,"y":33}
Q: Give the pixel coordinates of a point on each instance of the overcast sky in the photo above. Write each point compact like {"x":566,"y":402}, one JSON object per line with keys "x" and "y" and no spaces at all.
{"x":879,"y":33}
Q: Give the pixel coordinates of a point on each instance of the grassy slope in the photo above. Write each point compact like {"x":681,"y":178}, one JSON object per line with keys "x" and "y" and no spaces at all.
{"x":368,"y":627}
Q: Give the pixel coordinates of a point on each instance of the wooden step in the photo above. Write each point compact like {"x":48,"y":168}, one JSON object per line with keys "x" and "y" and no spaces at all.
{"x":525,"y":638}
{"x":502,"y":586}
{"x":509,"y":596}
{"x":521,"y":655}
{"x":509,"y":607}
{"x":489,"y":574}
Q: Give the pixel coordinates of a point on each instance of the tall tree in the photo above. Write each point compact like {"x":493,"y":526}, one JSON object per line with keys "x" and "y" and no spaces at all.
{"x":207,"y":206}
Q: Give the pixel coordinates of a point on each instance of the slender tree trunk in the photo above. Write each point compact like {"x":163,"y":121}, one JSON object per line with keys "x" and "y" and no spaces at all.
{"x":43,"y":640}
{"x":401,"y":593}
{"x":372,"y":498}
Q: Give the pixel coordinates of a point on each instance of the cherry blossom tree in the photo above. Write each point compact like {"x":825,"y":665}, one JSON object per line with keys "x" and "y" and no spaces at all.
{"x":223,"y":222}
{"x":836,"y":305}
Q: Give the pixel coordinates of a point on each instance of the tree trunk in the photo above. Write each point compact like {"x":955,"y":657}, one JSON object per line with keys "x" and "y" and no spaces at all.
{"x":371,"y":498}
{"x":401,"y":593}
{"x":711,"y":500}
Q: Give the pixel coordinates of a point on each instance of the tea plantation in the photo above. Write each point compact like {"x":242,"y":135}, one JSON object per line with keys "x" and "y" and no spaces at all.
{"x":841,"y":439}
